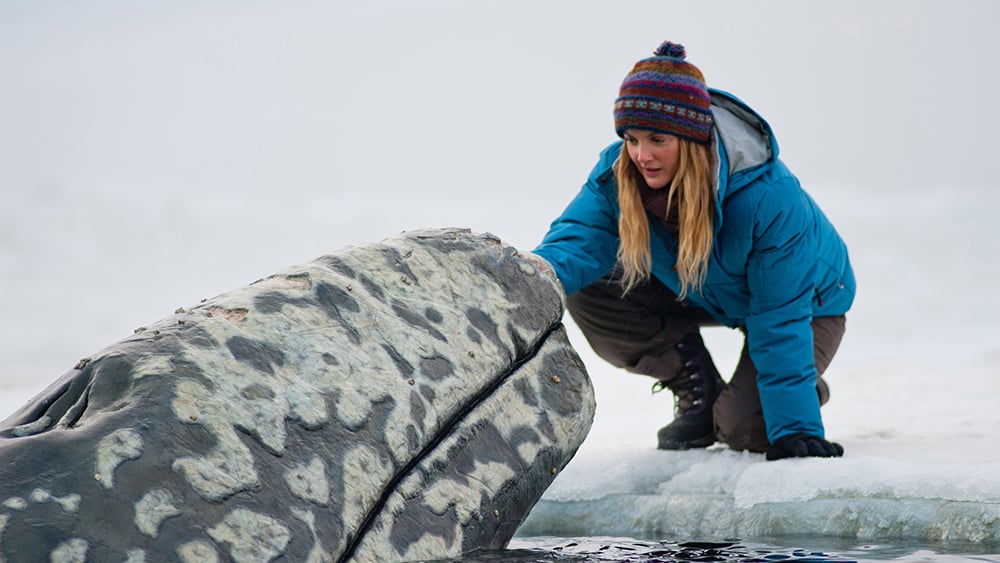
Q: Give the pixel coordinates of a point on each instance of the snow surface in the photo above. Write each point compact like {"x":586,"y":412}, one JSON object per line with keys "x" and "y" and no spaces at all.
{"x":154,"y":154}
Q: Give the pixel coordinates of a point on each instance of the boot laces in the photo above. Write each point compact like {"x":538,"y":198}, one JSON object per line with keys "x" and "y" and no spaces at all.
{"x":688,"y":385}
{"x":689,"y":392}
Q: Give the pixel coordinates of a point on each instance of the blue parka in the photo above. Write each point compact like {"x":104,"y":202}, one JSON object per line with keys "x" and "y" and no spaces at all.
{"x":776,"y":260}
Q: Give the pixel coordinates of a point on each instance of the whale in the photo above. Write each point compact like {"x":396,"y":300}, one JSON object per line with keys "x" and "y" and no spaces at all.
{"x":406,"y":399}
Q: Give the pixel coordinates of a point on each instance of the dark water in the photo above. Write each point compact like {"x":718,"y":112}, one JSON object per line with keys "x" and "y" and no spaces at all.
{"x":550,"y":549}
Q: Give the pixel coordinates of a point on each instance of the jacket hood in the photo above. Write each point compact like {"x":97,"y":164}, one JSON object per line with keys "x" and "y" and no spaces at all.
{"x":743,"y":142}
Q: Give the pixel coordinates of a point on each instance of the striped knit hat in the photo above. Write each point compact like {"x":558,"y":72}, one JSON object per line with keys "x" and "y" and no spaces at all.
{"x":665,"y":93}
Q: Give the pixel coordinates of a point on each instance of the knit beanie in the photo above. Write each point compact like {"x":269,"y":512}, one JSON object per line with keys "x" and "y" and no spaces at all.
{"x":667,"y":94}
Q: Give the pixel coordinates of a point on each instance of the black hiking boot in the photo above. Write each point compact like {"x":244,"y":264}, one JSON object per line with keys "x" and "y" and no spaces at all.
{"x":695,"y":389}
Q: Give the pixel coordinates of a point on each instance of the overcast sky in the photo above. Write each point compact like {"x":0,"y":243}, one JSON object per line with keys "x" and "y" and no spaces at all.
{"x":333,"y":95}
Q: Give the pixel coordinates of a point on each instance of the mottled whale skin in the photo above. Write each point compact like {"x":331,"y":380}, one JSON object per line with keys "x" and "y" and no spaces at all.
{"x":408,"y":399}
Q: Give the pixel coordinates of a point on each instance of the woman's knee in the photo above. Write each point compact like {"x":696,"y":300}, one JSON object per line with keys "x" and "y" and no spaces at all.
{"x":827,"y":335}
{"x":625,"y":331}
{"x":738,"y":425}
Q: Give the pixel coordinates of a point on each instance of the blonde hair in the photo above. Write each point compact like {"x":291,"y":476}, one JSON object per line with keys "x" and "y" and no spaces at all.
{"x":691,"y":192}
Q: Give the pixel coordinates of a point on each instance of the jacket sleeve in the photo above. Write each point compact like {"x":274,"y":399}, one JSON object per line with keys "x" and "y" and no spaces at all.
{"x":781,"y":279}
{"x":582,"y":243}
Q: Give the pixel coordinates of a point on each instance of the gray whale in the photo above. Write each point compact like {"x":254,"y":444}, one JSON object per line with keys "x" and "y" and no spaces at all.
{"x":408,"y":399}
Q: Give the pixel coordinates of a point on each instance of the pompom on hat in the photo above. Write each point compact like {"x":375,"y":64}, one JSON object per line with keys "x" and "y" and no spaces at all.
{"x":667,"y":94}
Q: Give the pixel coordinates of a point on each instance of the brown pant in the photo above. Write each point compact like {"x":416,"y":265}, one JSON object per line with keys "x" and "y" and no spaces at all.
{"x":638,"y":332}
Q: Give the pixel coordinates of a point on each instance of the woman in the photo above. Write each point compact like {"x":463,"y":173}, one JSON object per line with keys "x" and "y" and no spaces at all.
{"x":692,"y":220}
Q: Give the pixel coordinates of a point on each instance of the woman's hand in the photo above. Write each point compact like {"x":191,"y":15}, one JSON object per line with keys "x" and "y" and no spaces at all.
{"x":803,"y":445}
{"x":539,"y":263}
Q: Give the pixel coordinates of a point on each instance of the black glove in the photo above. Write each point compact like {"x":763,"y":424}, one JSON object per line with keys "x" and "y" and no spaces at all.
{"x":803,"y":445}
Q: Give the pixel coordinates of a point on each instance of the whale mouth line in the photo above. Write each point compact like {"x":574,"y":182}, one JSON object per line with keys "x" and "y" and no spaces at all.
{"x":450,"y":423}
